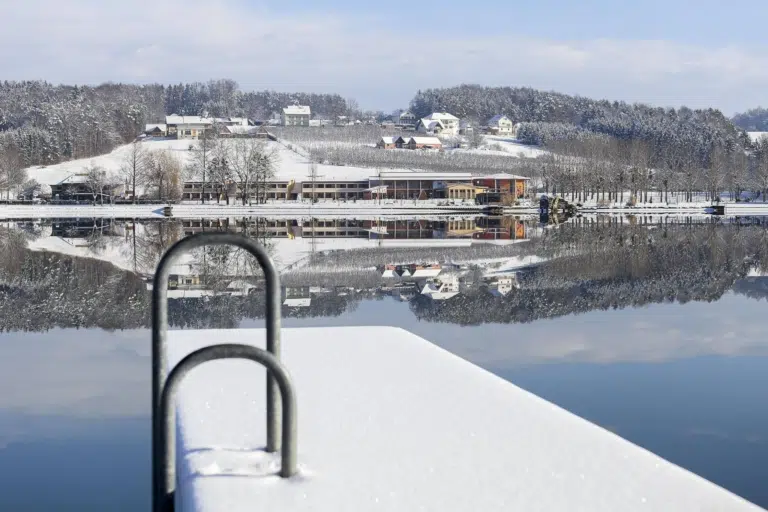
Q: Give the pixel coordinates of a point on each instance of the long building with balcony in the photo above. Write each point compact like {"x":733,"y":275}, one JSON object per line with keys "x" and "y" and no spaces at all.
{"x":402,"y":185}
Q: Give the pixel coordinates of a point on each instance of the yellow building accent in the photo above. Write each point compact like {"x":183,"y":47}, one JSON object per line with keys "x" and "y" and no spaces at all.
{"x":463,"y":191}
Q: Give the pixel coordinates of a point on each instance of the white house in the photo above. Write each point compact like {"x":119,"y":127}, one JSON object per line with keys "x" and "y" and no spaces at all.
{"x":441,"y":123}
{"x":466,"y":128}
{"x":501,"y":125}
{"x":296,"y":115}
{"x":442,"y":288}
{"x":187,"y":127}
{"x":406,"y":118}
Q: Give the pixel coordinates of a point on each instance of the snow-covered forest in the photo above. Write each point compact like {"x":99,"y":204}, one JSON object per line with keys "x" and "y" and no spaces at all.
{"x":688,"y":143}
{"x":614,"y":266}
{"x":44,"y":123}
{"x":753,"y":120}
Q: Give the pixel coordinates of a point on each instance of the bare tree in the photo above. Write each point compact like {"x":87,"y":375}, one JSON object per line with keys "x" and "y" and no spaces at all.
{"x":96,"y":180}
{"x":165,"y":174}
{"x":220,"y":169}
{"x":135,"y":166}
{"x":252,"y":164}
{"x":203,"y":154}
{"x":12,"y":172}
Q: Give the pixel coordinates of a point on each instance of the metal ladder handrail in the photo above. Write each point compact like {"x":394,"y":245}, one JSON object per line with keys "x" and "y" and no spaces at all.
{"x":160,"y":317}
{"x":163,"y":454}
{"x":160,"y":334}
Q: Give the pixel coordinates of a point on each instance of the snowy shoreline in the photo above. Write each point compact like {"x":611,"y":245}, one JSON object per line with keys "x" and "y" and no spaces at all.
{"x":318,"y":209}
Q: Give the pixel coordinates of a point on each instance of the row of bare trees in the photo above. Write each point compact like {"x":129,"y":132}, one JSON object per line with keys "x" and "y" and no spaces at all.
{"x":232,"y":167}
{"x":160,"y":173}
{"x":607,"y":169}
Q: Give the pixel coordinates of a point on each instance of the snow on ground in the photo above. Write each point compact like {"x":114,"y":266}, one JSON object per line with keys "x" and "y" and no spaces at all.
{"x":111,"y":162}
{"x":462,"y":439}
{"x":512,"y":147}
{"x":754,"y":136}
{"x":291,"y":165}
{"x":114,"y":251}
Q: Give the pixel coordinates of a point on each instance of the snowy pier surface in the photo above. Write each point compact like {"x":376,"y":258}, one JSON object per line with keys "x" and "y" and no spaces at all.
{"x":388,"y":421}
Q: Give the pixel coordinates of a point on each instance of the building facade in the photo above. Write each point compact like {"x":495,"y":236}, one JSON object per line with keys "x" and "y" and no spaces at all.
{"x":296,"y":115}
{"x":500,"y":125}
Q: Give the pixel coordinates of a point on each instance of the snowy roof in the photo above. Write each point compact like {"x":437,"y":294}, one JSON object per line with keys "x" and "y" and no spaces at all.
{"x":426,"y":140}
{"x":174,"y":119}
{"x":502,"y":176}
{"x":297,"y":110}
{"x":388,"y":140}
{"x":241,"y":121}
{"x":441,"y":116}
{"x":424,"y":175}
{"x":150,"y":127}
{"x":494,"y":121}
{"x":406,"y":113}
{"x":74,"y":178}
{"x":240,"y":129}
{"x":427,"y":272}
{"x":431,"y":124}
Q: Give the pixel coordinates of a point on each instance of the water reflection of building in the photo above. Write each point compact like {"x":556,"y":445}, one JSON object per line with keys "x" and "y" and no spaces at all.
{"x":189,"y":286}
{"x":472,"y":229}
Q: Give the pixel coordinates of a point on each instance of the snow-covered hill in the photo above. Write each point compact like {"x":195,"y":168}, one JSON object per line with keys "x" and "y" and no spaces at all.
{"x":111,"y":162}
{"x":291,"y":165}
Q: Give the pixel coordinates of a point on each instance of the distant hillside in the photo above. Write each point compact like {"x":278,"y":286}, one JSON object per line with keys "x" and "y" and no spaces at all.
{"x":754,"y":120}
{"x":41,"y":123}
{"x":549,"y":117}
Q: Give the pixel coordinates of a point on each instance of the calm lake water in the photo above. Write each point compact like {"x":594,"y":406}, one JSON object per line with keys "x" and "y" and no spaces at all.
{"x":653,"y":328}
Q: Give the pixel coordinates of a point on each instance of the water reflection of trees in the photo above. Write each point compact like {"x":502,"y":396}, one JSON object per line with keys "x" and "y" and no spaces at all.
{"x":611,"y":267}
{"x":587,"y":268}
{"x":42,"y":290}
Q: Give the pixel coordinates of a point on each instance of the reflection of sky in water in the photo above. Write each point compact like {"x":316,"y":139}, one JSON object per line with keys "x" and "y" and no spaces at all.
{"x":686,"y":381}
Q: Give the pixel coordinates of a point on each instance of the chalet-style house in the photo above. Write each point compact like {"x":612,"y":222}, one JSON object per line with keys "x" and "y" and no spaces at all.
{"x":156,"y":130}
{"x":296,"y":115}
{"x":424,"y":143}
{"x":439,"y":123}
{"x":501,"y":125}
{"x":409,"y":143}
{"x":386,"y":143}
{"x":406,"y":119}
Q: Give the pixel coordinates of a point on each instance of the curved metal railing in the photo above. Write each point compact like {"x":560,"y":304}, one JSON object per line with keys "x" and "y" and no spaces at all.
{"x":278,"y":382}
{"x":163,"y":490}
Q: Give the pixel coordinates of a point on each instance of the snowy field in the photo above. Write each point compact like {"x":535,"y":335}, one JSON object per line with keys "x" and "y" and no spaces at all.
{"x":111,"y":162}
{"x":461,"y":440}
{"x":291,"y":165}
{"x":509,"y":147}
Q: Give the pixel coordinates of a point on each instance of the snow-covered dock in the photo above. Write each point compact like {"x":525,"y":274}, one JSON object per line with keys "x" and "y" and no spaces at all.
{"x":388,"y":421}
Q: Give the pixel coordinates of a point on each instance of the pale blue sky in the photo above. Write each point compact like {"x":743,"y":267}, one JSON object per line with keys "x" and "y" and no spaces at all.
{"x":700,"y":53}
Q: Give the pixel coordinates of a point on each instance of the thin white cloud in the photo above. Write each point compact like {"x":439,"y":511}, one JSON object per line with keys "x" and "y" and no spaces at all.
{"x":87,"y":41}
